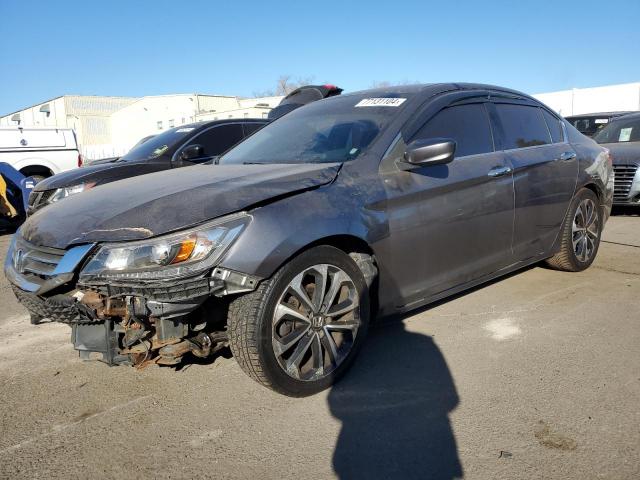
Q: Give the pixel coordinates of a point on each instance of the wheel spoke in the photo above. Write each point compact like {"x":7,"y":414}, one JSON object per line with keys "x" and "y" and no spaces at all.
{"x":293,"y":364}
{"x":583,"y":246}
{"x":337,"y":281}
{"x":289,"y":340}
{"x":351,"y":326}
{"x":317,"y":359}
{"x":299,"y":292}
{"x":342,"y":308}
{"x":320,"y":274}
{"x":285,"y":311}
{"x":330,"y":347}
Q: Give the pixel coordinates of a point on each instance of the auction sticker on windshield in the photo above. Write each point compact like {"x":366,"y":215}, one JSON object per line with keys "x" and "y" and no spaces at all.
{"x":380,"y":102}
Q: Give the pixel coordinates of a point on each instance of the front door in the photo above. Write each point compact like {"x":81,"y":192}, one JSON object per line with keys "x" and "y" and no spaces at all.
{"x":453,"y":223}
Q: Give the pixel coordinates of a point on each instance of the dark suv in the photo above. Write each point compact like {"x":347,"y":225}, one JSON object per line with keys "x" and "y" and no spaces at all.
{"x":177,"y":147}
{"x":366,"y":204}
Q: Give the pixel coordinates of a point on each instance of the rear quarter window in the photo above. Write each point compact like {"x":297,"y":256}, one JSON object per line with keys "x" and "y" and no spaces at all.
{"x":555,"y":129}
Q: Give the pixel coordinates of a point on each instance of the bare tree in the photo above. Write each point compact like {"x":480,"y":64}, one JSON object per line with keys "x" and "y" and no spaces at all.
{"x":284,"y":85}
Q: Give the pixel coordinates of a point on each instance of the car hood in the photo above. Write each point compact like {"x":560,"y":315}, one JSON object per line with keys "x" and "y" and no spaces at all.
{"x":624,"y":153}
{"x":101,"y":173}
{"x":159,"y":203}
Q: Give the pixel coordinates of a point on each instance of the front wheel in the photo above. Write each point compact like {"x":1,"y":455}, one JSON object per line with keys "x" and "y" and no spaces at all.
{"x":580,"y":234}
{"x":301,"y":329}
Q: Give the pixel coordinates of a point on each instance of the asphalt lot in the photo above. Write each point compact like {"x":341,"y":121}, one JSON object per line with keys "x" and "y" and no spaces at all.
{"x":533,"y":376}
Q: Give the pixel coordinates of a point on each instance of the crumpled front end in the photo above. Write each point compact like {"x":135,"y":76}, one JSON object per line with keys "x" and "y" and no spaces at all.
{"x":124,"y":321}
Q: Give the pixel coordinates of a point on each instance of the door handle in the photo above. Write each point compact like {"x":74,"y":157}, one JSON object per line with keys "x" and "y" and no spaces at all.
{"x":566,"y":156}
{"x":499,"y":171}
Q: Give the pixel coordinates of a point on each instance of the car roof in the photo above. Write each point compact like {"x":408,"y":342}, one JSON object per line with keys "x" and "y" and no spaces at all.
{"x":433,"y":88}
{"x":599,"y":114}
{"x":209,"y":123}
{"x":626,"y":116}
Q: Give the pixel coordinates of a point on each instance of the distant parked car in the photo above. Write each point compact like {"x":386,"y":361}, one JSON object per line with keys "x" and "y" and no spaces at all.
{"x":39,"y":152}
{"x":622,"y":137}
{"x":182,"y":146}
{"x":591,"y":123}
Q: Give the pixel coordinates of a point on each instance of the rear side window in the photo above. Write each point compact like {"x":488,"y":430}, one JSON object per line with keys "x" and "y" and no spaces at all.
{"x":218,"y":140}
{"x":554,"y":126}
{"x":522,"y":126}
{"x":468,"y":125}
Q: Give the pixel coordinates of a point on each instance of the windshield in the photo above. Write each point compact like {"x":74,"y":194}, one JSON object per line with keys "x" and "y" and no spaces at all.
{"x":620,"y":131}
{"x":158,"y":145}
{"x":338,"y":129}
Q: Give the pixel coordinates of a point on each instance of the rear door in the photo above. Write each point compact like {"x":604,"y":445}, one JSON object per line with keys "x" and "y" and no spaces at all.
{"x":545,"y":173}
{"x":449,"y":224}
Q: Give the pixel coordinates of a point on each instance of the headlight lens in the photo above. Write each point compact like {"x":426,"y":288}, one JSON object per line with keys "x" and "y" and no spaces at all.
{"x":180,"y":254}
{"x":65,"y":192}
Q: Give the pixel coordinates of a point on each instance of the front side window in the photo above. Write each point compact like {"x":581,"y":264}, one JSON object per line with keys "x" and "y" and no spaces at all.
{"x":522,"y":126}
{"x":218,"y":140}
{"x":620,"y":131}
{"x":468,"y":125}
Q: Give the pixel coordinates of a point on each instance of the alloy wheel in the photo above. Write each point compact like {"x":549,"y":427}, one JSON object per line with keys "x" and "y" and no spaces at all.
{"x":315,"y":322}
{"x":585,"y":230}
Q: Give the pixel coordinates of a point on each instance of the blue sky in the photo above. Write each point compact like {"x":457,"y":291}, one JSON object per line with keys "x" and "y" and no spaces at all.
{"x":135,"y":48}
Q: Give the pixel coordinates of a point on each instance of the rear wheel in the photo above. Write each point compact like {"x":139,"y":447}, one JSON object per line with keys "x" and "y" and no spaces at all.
{"x":580,"y":235}
{"x":300,"y":330}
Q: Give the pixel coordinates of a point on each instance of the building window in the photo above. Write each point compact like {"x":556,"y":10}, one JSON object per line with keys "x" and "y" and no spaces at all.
{"x":183,"y":120}
{"x":230,"y":116}
{"x":160,"y":125}
{"x":171,"y":123}
{"x":246,"y":115}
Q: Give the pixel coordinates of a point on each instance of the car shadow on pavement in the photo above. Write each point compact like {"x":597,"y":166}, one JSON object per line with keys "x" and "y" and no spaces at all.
{"x":394,"y":406}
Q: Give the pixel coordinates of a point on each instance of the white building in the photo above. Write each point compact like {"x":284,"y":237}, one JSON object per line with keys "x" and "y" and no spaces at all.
{"x":154,"y":114}
{"x":611,"y":98}
{"x":110,"y":126}
{"x":89,"y":116}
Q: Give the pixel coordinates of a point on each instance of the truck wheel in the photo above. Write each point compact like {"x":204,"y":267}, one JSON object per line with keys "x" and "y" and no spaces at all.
{"x":299,"y":331}
{"x":580,"y":234}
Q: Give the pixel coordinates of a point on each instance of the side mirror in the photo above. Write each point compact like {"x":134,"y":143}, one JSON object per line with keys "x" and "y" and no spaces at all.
{"x":192,"y":152}
{"x":433,"y":151}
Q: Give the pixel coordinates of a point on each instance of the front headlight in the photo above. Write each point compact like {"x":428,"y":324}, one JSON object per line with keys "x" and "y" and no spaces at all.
{"x":180,"y":254}
{"x":65,"y":192}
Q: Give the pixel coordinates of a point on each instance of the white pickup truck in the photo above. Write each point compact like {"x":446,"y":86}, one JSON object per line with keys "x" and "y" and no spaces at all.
{"x":39,"y":152}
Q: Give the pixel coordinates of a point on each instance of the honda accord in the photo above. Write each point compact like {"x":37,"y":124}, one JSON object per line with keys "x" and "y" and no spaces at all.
{"x":346,"y":209}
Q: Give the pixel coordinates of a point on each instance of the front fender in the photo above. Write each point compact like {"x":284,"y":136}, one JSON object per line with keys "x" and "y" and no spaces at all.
{"x":281,"y":229}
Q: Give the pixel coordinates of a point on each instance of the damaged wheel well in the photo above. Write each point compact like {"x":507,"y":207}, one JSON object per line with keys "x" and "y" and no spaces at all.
{"x":360,"y":252}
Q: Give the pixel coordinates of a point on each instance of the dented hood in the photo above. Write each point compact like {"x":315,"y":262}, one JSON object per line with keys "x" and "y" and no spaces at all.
{"x":143,"y":207}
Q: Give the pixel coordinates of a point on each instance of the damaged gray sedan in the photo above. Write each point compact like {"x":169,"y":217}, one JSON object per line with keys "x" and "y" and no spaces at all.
{"x":366,"y":204}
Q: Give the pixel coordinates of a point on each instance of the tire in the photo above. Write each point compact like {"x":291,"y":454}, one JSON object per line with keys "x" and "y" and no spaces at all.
{"x":572,"y":258}
{"x":258,"y":327}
